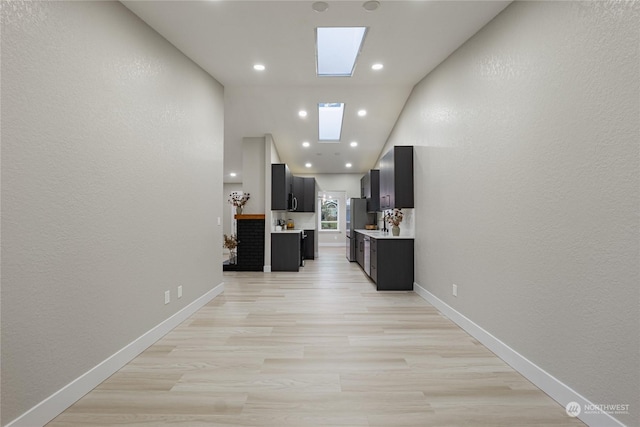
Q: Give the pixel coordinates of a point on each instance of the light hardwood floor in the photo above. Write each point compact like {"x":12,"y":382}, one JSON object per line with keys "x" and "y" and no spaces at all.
{"x":316,"y":348}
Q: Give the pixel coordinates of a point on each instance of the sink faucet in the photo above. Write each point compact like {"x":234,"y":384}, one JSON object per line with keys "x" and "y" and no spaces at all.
{"x":384,"y":222}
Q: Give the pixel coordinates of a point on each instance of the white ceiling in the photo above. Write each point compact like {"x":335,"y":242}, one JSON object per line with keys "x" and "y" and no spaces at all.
{"x":227,"y":37}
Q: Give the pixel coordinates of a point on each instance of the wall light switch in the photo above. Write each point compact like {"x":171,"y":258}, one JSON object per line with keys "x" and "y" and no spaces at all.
{"x":180,"y":291}
{"x":455,"y":290}
{"x":219,"y":221}
{"x":167,"y":297}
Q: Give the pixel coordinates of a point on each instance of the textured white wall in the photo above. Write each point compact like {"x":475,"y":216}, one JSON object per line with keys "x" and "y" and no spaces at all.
{"x":527,"y":188}
{"x":253,"y":174}
{"x":350,"y":184}
{"x":111,"y":185}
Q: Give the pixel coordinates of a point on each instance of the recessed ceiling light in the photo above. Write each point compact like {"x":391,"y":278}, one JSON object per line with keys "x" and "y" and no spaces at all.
{"x":362,"y":113}
{"x":371,"y":5}
{"x":307,"y":165}
{"x":305,"y":144}
{"x":233,"y":174}
{"x":259,"y":67}
{"x":377,"y":66}
{"x":320,"y":6}
{"x":348,"y":165}
{"x":302,"y":113}
{"x":354,"y":144}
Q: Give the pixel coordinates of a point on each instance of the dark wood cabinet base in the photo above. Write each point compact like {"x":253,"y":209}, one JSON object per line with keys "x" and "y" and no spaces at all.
{"x":391,"y":262}
{"x":285,"y":252}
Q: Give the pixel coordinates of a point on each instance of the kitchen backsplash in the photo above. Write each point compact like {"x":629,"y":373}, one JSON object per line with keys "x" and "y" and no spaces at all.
{"x":301,"y":220}
{"x":407,"y":225}
{"x":308,"y":220}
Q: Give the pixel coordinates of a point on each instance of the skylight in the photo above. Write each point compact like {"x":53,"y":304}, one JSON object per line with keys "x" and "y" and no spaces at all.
{"x":330,"y":121}
{"x":337,"y":49}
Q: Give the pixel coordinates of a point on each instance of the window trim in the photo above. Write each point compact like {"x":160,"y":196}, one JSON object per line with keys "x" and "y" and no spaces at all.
{"x":338,"y":217}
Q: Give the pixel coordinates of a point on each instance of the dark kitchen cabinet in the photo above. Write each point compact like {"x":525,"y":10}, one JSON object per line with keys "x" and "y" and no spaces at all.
{"x":309,"y":202}
{"x":291,"y":193}
{"x":298,"y":194}
{"x":304,"y":194}
{"x":285,"y":251}
{"x":396,"y":178}
{"x":370,"y":190}
{"x":373,"y":267}
{"x":310,"y":244}
{"x":281,"y":186}
{"x":392,"y":264}
{"x":360,"y":249}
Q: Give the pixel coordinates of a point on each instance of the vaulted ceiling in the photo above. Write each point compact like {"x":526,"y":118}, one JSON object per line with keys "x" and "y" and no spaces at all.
{"x":227,"y":37}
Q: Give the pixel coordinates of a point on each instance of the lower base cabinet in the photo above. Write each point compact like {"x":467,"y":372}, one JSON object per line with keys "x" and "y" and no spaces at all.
{"x":392,"y":264}
{"x":310,"y":244}
{"x":360,"y":249}
{"x":285,"y":252}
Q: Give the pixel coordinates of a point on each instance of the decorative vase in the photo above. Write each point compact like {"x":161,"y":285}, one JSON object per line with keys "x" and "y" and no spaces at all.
{"x":238,"y":210}
{"x":233,"y":259}
{"x":395,"y":230}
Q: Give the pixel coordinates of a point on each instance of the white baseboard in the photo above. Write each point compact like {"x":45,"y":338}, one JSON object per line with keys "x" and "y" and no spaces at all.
{"x":332,"y":244}
{"x":55,"y":404}
{"x":556,"y":389}
{"x":266,"y":269}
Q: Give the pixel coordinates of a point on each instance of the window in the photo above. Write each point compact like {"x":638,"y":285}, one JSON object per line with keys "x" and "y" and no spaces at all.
{"x":329,"y":214}
{"x":331,"y":211}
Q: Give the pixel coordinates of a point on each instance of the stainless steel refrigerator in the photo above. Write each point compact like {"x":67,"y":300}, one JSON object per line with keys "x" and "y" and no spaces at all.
{"x":357,"y":218}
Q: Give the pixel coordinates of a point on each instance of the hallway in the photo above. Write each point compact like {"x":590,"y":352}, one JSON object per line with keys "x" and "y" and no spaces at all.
{"x":318,"y":347}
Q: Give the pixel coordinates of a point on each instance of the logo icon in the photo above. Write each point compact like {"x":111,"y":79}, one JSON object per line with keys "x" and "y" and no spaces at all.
{"x":573,"y":409}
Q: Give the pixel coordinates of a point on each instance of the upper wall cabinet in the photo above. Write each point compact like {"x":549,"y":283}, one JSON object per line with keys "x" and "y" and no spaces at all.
{"x":304,"y":194}
{"x":310,"y":196}
{"x":298,"y":194}
{"x":281,"y":187}
{"x":370,"y":190}
{"x":291,"y":193}
{"x":396,"y":178}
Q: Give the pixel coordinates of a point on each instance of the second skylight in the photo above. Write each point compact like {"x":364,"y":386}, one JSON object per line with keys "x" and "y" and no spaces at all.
{"x":330,"y":121}
{"x":337,"y":49}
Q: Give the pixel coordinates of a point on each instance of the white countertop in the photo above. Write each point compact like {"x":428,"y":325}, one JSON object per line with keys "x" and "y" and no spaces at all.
{"x":292,"y":230}
{"x":379,"y":234}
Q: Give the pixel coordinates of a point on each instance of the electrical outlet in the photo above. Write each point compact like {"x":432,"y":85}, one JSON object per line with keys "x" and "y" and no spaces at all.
{"x":180,"y":291}
{"x":455,"y":290}
{"x":167,"y":297}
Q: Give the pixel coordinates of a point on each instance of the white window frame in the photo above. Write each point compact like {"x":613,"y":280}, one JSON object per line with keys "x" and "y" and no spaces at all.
{"x":338,"y":217}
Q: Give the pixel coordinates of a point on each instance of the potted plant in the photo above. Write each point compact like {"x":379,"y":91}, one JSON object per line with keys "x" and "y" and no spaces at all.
{"x":231,"y":243}
{"x":239,"y":199}
{"x":395,"y":218}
